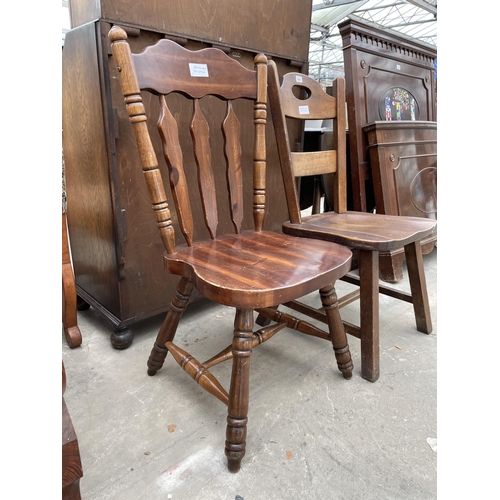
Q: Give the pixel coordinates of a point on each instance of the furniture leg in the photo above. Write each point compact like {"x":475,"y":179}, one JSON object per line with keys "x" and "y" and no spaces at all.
{"x":369,"y":314}
{"x":69,"y":307}
{"x":418,"y":286}
{"x":121,"y":338}
{"x":81,"y":305}
{"x":391,"y":266}
{"x":167,"y":331}
{"x":236,"y":430}
{"x":337,"y":331}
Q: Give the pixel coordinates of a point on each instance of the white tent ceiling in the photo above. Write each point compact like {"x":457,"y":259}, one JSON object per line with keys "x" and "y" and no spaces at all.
{"x":412,"y":18}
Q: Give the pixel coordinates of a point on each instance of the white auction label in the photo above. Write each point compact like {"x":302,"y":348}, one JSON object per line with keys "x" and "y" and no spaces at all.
{"x":304,"y":110}
{"x":198,"y":69}
{"x":298,"y":79}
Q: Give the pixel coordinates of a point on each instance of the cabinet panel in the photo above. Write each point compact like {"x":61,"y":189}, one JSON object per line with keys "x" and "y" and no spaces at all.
{"x":90,"y":212}
{"x":279,"y":27}
{"x":403,"y":158}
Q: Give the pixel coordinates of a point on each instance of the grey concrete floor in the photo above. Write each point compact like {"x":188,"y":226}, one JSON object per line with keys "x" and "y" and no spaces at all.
{"x":311,"y":434}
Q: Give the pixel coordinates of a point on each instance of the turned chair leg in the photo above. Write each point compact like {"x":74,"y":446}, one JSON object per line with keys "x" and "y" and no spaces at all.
{"x":369,"y":314}
{"x":418,"y":286}
{"x":237,"y":414}
{"x":337,"y":331}
{"x":167,"y":331}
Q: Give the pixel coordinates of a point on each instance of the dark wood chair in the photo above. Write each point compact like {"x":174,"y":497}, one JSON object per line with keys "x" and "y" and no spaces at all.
{"x":248,"y":269}
{"x":300,"y":97}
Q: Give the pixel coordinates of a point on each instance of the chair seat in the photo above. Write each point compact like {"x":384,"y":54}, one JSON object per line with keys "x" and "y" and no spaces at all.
{"x":363,"y":230}
{"x":259,"y":269}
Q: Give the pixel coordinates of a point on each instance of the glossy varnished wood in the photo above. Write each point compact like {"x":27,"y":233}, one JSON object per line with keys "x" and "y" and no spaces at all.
{"x":298,"y":97}
{"x":363,"y":230}
{"x":258,"y":269}
{"x":242,"y":268}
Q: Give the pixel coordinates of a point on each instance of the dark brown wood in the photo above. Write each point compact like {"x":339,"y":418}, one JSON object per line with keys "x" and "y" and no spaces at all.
{"x":108,"y":214}
{"x":369,"y":314}
{"x":70,"y":325}
{"x":72,"y":469}
{"x":278,"y":28}
{"x":376,"y":61}
{"x":243,"y":268}
{"x":403,"y":160}
{"x":366,"y":233}
{"x":236,"y":431}
{"x":338,"y":337}
{"x":413,"y":252}
{"x":259,"y":337}
{"x":179,"y":303}
{"x":198,"y":372}
{"x":231,"y":129}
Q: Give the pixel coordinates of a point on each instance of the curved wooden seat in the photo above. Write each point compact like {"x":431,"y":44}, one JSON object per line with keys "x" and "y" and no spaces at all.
{"x":299,"y":97}
{"x":250,"y":270}
{"x":253,"y":270}
{"x":362,"y":230}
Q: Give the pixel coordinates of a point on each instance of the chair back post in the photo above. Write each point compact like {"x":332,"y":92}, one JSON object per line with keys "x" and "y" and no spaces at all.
{"x":283,"y":144}
{"x":260,"y":119}
{"x":137,"y":115}
{"x":340,"y":138}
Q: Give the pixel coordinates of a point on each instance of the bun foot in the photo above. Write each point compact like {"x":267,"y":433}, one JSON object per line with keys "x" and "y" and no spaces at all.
{"x":121,"y":338}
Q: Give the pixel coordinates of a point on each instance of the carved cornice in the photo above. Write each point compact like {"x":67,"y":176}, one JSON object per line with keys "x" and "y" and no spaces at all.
{"x":370,"y":38}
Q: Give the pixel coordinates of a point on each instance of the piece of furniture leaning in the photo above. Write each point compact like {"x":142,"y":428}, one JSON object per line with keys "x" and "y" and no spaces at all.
{"x":115,"y":246}
{"x":403,"y":160}
{"x":299,"y":98}
{"x":203,"y":94}
{"x":72,"y":469}
{"x":69,"y":306}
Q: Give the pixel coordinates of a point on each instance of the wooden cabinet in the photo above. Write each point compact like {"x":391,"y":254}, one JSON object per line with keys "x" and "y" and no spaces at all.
{"x":389,"y":77}
{"x":403,"y":160}
{"x":116,"y":250}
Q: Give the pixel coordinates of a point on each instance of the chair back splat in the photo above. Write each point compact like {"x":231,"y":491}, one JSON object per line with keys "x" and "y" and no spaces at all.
{"x":167,"y":68}
{"x":205,"y":101}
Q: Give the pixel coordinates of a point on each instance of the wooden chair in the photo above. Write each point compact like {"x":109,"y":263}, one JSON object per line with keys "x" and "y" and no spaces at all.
{"x":300,"y":97}
{"x":242,"y":268}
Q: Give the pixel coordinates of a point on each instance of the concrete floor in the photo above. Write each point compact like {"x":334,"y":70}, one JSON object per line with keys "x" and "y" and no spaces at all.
{"x":311,"y":434}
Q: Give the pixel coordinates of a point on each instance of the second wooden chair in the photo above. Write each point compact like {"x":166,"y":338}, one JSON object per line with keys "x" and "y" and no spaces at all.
{"x":300,"y":97}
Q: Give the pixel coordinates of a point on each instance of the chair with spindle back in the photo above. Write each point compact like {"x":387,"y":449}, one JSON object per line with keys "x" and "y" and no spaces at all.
{"x":230,"y":265}
{"x":300,"y":97}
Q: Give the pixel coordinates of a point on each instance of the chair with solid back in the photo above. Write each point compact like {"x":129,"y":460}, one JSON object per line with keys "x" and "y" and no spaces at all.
{"x":248,"y":269}
{"x":300,"y":97}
